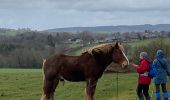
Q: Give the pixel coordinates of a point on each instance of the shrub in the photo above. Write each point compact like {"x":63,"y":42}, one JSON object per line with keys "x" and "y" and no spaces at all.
{"x":151,"y":49}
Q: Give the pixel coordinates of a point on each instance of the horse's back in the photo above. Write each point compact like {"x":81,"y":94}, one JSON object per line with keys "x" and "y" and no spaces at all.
{"x":54,"y":59}
{"x":72,"y":68}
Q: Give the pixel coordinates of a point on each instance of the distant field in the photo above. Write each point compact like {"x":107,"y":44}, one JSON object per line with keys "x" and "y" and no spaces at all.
{"x":146,"y":41}
{"x":26,"y":84}
{"x":133,"y":43}
{"x":10,"y":32}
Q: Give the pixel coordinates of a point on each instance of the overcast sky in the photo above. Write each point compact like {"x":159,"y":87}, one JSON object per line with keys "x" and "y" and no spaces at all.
{"x":48,"y":14}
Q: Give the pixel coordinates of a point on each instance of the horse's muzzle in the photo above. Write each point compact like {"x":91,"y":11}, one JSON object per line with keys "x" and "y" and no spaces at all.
{"x":125,"y":64}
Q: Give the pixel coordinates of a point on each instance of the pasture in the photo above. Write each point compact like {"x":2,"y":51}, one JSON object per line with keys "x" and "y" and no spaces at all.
{"x":133,"y":44}
{"x":26,"y":84}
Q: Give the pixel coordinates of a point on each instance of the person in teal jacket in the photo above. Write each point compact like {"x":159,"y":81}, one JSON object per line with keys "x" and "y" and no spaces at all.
{"x":161,"y":64}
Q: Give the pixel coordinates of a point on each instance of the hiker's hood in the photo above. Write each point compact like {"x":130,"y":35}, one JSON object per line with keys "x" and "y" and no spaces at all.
{"x":160,"y":54}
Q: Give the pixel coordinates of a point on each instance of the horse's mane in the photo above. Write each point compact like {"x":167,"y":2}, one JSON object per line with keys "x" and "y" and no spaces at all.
{"x":105,"y":48}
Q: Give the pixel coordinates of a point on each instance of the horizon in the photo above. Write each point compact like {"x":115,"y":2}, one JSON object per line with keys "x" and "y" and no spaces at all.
{"x":81,"y":26}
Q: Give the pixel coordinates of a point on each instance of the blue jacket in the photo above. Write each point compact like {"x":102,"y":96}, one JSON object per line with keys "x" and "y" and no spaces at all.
{"x":163,"y":71}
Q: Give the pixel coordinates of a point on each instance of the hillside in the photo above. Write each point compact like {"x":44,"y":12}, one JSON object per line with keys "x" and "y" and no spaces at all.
{"x":4,"y":31}
{"x":121,"y":28}
{"x":13,"y":32}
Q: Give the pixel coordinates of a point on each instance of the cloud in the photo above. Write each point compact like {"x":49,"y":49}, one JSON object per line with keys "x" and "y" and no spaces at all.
{"x":44,"y":14}
{"x":87,"y":5}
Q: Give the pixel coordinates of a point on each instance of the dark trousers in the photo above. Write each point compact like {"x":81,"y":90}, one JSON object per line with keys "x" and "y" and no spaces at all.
{"x":163,"y":87}
{"x":142,"y":90}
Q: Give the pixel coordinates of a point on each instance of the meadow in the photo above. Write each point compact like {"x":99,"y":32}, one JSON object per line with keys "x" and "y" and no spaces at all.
{"x":26,"y":84}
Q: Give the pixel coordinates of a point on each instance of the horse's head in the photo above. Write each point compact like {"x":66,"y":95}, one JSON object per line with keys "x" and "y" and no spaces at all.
{"x":115,"y":52}
{"x":118,"y":55}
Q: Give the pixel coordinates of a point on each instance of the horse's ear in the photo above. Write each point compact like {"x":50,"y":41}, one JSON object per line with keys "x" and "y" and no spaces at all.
{"x":117,"y":45}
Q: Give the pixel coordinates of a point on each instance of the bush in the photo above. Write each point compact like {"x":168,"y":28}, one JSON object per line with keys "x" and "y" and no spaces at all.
{"x":151,"y":49}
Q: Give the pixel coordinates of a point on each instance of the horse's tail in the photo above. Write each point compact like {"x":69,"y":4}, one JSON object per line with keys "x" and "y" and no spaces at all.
{"x":44,"y":60}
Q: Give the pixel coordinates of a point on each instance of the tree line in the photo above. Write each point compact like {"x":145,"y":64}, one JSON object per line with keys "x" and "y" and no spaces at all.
{"x":27,"y":48}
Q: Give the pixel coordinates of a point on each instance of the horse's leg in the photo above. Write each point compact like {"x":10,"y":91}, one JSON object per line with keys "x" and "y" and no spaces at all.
{"x":90,"y":89}
{"x":55,"y":83}
{"x":93,"y":88}
{"x":86,"y":94}
{"x":47,"y":89}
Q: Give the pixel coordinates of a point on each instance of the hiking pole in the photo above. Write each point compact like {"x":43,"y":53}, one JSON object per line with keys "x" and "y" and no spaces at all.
{"x":168,"y":87}
{"x":117,"y":86}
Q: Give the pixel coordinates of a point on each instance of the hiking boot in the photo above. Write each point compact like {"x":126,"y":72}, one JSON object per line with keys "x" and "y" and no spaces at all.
{"x":158,"y":96}
{"x":165,"y":95}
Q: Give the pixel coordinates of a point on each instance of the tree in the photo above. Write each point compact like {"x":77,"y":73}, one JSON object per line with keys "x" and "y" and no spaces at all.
{"x":50,"y":40}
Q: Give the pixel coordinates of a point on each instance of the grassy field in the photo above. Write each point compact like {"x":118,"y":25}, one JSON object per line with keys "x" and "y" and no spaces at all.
{"x":26,"y":84}
{"x":133,"y":43}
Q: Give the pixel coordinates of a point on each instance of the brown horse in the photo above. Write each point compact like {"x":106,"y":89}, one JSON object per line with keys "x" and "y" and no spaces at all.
{"x":87,"y":67}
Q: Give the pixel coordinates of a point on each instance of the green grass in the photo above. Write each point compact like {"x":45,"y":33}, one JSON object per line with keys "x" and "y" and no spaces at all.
{"x":10,"y":32}
{"x":20,"y":84}
{"x":135,"y":43}
{"x":26,"y":84}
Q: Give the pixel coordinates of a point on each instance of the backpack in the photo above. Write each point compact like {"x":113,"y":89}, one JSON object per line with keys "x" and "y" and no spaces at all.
{"x":152,"y":71}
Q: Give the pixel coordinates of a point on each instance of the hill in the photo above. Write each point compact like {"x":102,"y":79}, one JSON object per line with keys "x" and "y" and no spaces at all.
{"x":121,"y":28}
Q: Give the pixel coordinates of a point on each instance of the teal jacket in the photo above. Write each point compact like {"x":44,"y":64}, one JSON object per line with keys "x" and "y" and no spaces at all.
{"x":161,"y":64}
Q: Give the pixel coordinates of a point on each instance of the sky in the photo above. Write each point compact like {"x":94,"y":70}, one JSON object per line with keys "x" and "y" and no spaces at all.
{"x":49,"y":14}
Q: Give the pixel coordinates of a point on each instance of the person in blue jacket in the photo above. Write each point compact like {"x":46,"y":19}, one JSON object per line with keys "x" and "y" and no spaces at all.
{"x":161,"y":64}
